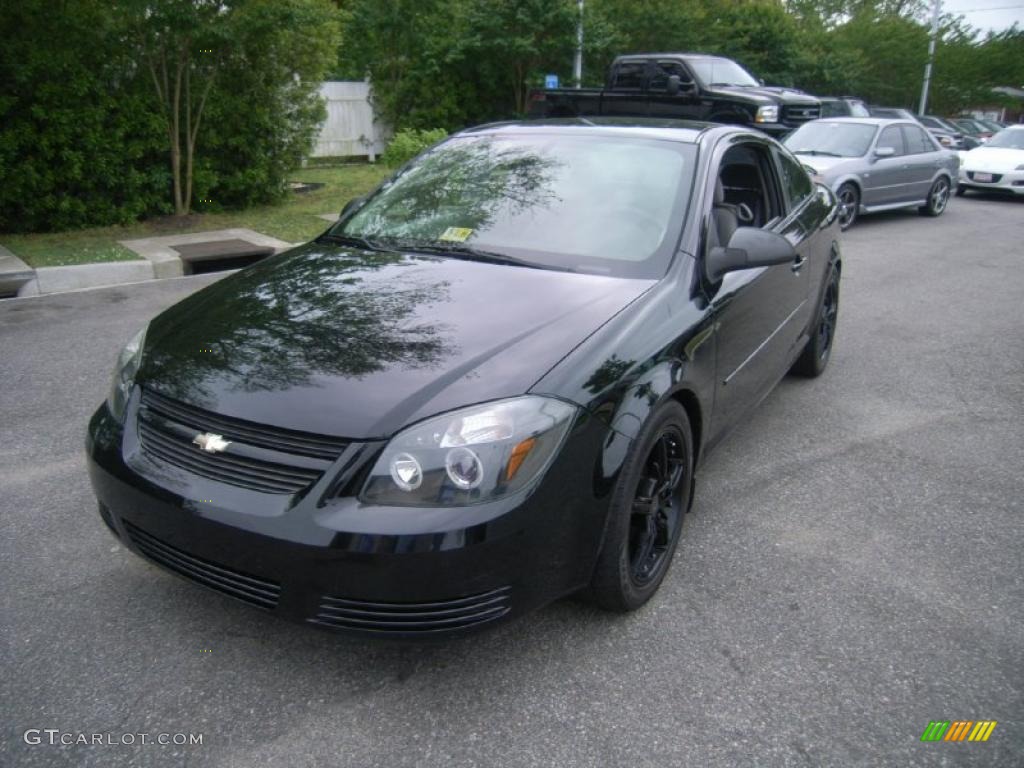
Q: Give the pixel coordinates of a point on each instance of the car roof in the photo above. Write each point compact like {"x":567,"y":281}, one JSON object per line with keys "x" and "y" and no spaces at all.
{"x":670,"y":54}
{"x":877,"y":121}
{"x":686,"y":131}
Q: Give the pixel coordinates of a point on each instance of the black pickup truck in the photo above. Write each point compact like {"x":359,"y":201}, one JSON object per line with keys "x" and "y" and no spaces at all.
{"x":692,"y":86}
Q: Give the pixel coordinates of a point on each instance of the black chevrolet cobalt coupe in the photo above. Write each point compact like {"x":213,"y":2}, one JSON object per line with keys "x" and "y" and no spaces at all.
{"x":489,"y":385}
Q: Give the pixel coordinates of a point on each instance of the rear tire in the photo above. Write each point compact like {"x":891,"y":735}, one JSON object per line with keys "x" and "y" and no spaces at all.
{"x":646,"y":513}
{"x":938,"y":198}
{"x":814,"y":359}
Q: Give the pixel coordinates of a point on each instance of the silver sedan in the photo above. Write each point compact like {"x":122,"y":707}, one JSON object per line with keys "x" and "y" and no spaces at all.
{"x":875,"y":164}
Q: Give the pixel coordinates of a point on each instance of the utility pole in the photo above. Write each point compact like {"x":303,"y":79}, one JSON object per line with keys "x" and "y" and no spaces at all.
{"x":577,"y":64}
{"x":931,"y":57}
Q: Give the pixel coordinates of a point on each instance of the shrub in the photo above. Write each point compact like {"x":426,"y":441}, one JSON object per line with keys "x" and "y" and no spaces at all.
{"x":407,"y":144}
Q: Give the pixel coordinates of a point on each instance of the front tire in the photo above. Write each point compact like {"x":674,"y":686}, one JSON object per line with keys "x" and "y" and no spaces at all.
{"x":646,"y":514}
{"x":814,"y":359}
{"x":938,"y":197}
{"x":961,"y":190}
{"x":849,"y":205}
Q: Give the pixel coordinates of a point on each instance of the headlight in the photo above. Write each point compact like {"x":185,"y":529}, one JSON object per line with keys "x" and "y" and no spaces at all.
{"x":767,"y":115}
{"x":124,"y":375}
{"x":471,"y":455}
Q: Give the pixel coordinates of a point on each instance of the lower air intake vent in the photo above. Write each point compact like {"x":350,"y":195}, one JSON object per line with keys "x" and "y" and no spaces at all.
{"x":413,"y":618}
{"x":251,"y":589}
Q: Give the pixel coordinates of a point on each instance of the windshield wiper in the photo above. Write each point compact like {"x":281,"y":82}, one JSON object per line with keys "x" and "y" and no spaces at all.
{"x":356,"y":240}
{"x":815,"y":152}
{"x":459,"y":251}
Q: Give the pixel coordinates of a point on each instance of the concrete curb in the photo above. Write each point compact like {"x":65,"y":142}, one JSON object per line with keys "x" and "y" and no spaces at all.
{"x":160,"y":262}
{"x":167,"y":262}
{"x":14,"y":273}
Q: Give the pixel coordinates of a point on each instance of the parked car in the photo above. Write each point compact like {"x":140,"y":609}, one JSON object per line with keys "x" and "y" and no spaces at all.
{"x":997,"y":165}
{"x":945,"y":137}
{"x":489,"y":385}
{"x":876,"y":164}
{"x":940,"y":127}
{"x":981,"y":132}
{"x":691,"y":86}
{"x":842,"y":107}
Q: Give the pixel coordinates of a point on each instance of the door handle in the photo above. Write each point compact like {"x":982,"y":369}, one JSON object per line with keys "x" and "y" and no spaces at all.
{"x":799,"y":263}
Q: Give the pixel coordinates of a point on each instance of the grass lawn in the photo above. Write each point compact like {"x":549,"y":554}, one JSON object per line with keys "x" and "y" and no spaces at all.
{"x":294,"y":220}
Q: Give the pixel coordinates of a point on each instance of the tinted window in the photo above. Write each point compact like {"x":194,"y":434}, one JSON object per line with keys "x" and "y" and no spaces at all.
{"x":797,"y":183}
{"x":916,"y":140}
{"x":630,"y":74}
{"x":662,"y":70}
{"x":601,"y":204}
{"x":891,"y":137}
{"x":930,"y":122}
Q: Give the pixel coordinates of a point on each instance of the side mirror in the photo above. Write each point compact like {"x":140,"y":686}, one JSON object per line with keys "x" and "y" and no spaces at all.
{"x":672,"y":87}
{"x":748,"y":247}
{"x":352,"y":205}
{"x":884,"y":151}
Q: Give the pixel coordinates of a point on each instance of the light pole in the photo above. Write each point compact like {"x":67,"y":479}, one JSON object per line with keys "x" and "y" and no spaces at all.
{"x":577,"y":64}
{"x":931,"y":57}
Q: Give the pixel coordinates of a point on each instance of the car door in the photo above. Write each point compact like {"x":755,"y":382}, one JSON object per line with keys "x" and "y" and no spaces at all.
{"x":683,"y":105}
{"x":760,"y":314}
{"x":886,"y":178}
{"x":921,"y":157}
{"x":627,"y":95}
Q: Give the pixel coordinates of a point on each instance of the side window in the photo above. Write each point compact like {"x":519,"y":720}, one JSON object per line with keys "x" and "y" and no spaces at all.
{"x":891,"y":137}
{"x":795,"y":181}
{"x":665,"y":69}
{"x":630,"y":75}
{"x":915,"y":140}
{"x":928,"y":141}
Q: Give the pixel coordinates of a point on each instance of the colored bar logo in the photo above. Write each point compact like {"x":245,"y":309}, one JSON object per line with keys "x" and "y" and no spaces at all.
{"x":958,"y":730}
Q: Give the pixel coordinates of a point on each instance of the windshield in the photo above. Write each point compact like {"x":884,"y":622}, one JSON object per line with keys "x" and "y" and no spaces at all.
{"x":1007,"y":139}
{"x":831,"y":138}
{"x":714,"y":71}
{"x":603,"y":204}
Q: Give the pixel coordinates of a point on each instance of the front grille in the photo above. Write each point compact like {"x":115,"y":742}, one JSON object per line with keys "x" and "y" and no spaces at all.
{"x":995,"y":177}
{"x":167,"y":429}
{"x":243,"y":586}
{"x":274,"y":438}
{"x":413,"y":618}
{"x":801,"y":114}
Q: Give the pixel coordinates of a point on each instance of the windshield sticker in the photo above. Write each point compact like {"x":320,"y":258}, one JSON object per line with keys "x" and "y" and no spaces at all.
{"x":456,"y":234}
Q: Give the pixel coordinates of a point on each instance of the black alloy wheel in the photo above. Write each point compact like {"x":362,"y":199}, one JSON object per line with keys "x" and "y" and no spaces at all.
{"x":655,"y":513}
{"x":849,"y":204}
{"x":646,"y":513}
{"x":815,"y":356}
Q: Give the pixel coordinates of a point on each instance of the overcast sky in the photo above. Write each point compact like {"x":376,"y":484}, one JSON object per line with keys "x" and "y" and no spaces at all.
{"x":995,"y":15}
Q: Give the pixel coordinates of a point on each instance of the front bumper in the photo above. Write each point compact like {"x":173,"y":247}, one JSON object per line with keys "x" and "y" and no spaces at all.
{"x":1011,"y":182}
{"x":405,"y":573}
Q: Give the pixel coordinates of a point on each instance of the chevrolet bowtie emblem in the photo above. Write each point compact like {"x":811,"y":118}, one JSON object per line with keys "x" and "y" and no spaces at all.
{"x":211,"y":443}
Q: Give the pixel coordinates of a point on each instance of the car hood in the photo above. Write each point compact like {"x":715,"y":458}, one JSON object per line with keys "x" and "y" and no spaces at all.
{"x":767,"y":94}
{"x":827,"y":166}
{"x":359,"y":343}
{"x":996,"y":159}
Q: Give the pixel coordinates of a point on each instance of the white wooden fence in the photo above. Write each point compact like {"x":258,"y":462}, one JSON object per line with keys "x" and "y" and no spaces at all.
{"x":351,"y":127}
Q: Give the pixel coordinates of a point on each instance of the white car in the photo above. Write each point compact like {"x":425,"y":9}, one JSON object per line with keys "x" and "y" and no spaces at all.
{"x":998,"y":165}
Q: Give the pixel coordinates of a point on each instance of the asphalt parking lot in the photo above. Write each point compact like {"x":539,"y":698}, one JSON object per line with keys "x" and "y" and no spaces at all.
{"x":853,"y":569}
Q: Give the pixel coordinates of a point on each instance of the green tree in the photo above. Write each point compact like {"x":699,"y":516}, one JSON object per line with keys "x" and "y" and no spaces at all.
{"x":280,"y":50}
{"x":512,"y":43}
